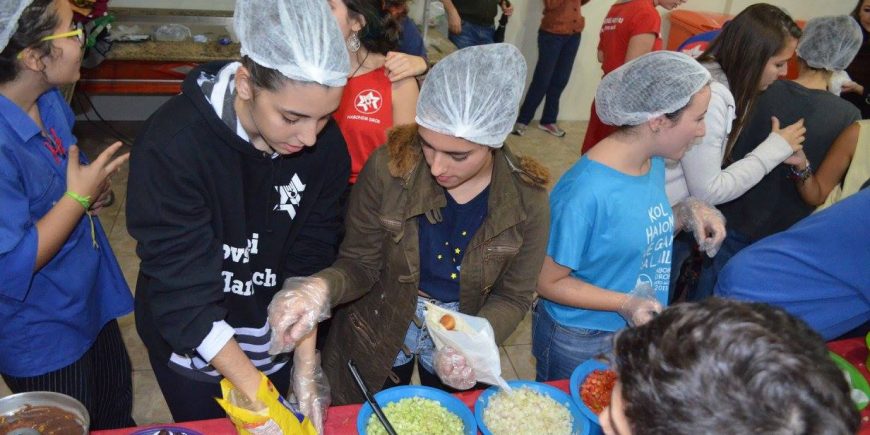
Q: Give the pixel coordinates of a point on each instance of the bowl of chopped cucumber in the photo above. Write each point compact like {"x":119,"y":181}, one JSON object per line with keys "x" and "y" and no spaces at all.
{"x":419,"y":410}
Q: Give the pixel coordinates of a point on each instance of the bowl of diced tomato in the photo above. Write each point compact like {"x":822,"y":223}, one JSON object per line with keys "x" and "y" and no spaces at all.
{"x":591,"y":385}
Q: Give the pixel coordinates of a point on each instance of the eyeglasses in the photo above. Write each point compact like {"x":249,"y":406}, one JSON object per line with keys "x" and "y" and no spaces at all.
{"x":78,"y":33}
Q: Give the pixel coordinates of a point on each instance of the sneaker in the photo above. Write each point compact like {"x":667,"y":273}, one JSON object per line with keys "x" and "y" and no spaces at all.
{"x":552,"y":129}
{"x":520,"y":129}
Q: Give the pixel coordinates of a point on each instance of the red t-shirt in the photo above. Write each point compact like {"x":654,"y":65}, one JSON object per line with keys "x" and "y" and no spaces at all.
{"x":623,"y":21}
{"x":364,"y":116}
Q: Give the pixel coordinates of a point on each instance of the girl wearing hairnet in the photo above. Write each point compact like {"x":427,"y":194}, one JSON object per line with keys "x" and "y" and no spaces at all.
{"x":62,"y":289}
{"x":371,"y":103}
{"x":631,"y":29}
{"x":846,"y":165}
{"x":443,"y":213}
{"x":827,"y":47}
{"x":234,"y":186}
{"x":608,"y":258}
{"x":745,"y":59}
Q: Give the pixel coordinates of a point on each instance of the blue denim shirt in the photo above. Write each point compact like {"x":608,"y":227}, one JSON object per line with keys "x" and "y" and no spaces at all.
{"x":51,"y":317}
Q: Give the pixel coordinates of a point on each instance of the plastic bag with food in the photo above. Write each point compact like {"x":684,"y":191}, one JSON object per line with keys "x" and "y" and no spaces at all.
{"x":270,"y":415}
{"x":472,"y":336}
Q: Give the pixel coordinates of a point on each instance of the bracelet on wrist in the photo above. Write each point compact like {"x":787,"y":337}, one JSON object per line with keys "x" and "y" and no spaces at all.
{"x":85,"y":201}
{"x":801,"y":174}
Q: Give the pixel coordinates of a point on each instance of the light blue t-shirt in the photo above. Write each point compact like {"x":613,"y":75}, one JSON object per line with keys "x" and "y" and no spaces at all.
{"x":612,"y":230}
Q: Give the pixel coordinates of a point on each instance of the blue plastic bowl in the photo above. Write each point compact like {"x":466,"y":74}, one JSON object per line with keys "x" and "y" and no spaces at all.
{"x":581,"y":425}
{"x":395,"y":394}
{"x":577,"y":378}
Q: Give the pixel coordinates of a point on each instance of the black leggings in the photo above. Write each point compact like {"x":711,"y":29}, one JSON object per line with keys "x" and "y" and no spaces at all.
{"x":101,"y":379}
{"x":427,"y":378}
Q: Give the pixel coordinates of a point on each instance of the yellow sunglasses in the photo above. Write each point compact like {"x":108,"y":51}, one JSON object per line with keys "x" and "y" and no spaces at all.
{"x":79,"y":34}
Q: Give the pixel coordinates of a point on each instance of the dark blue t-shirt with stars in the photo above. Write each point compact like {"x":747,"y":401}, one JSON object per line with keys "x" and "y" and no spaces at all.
{"x":442,"y":245}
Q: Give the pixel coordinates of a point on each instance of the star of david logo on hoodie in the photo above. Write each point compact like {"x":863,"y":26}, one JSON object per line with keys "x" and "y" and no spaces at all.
{"x":291,"y":196}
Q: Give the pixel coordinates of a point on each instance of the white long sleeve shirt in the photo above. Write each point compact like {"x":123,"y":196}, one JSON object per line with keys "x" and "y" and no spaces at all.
{"x":700,"y":174}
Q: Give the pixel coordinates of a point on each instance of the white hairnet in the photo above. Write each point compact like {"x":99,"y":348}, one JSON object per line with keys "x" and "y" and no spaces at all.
{"x":10,"y":12}
{"x":474,"y":94}
{"x":299,"y":38}
{"x":647,"y":87}
{"x":830,"y":42}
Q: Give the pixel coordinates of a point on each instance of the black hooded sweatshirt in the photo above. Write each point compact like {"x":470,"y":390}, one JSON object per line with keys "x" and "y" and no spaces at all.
{"x":220,"y":225}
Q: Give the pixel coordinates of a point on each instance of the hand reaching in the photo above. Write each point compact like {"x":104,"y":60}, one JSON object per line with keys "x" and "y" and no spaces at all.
{"x":640,"y":305}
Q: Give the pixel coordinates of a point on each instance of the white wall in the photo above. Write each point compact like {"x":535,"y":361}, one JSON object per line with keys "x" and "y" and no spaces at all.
{"x":576,"y":100}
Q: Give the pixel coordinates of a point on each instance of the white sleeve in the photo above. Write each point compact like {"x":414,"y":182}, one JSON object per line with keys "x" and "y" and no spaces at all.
{"x":702,"y":164}
{"x":221,"y":333}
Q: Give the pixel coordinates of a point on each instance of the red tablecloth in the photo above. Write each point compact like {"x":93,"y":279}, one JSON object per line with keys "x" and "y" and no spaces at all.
{"x":854,"y":350}
{"x":341,"y":420}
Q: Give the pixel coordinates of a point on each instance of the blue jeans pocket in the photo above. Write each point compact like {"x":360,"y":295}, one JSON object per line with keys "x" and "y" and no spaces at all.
{"x":559,"y":349}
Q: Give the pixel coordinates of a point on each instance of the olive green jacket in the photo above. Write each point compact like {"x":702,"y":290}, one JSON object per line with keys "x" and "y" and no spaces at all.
{"x":375,"y":280}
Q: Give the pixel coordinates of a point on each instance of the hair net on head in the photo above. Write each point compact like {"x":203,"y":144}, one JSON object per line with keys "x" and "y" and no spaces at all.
{"x":830,"y":42}
{"x":299,"y":38}
{"x":474,"y":94}
{"x":647,"y":87}
{"x":10,"y":12}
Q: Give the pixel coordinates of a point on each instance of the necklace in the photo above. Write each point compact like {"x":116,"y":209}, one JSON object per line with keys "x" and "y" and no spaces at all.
{"x":360,"y":64}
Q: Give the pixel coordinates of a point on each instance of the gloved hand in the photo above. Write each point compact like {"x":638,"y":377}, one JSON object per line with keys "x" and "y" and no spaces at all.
{"x":311,"y":389}
{"x":268,"y":414}
{"x":453,"y":369}
{"x":640,"y":305}
{"x":704,"y":220}
{"x":295,"y":311}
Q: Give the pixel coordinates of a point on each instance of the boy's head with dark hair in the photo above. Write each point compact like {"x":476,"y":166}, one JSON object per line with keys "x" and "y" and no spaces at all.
{"x":721,"y":366}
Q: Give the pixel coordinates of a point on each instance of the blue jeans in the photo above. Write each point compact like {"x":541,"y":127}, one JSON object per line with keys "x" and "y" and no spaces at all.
{"x":472,"y":34}
{"x":417,"y":339}
{"x":733,"y":243}
{"x":556,"y":55}
{"x":560,"y":349}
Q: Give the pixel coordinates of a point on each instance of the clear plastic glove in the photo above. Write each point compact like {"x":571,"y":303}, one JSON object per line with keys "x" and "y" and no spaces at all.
{"x":295,"y":311}
{"x":268,"y":414}
{"x":704,"y":220}
{"x":640,"y":306}
{"x":453,"y":369}
{"x":311,"y":390}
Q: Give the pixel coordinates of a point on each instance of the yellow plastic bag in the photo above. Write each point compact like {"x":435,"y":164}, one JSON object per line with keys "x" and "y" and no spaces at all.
{"x":275,"y":417}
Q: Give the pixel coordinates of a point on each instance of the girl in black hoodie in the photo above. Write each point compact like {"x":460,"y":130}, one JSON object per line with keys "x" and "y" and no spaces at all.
{"x":235,"y":185}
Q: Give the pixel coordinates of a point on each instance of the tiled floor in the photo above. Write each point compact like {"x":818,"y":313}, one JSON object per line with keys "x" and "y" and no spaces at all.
{"x":148,"y":405}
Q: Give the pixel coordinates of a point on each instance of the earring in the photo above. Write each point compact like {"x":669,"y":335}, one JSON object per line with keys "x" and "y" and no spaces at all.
{"x":353,"y":42}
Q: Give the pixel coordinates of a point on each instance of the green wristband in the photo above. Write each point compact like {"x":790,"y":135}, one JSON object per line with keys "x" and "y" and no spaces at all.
{"x":85,"y":201}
